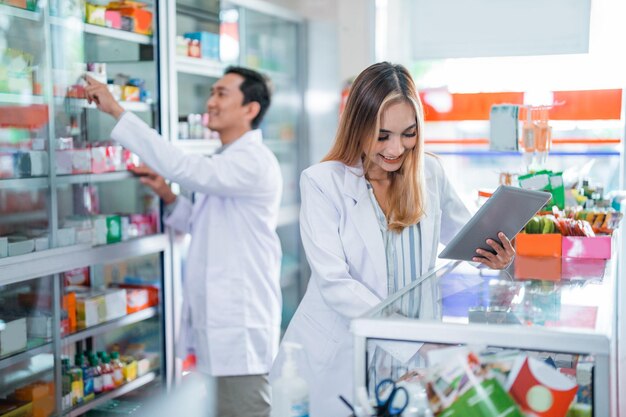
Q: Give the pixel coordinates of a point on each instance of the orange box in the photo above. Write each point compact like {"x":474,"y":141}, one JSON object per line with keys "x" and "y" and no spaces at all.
{"x":69,"y":305}
{"x":141,"y":17}
{"x":538,"y":244}
{"x":152,"y":292}
{"x":538,"y":267}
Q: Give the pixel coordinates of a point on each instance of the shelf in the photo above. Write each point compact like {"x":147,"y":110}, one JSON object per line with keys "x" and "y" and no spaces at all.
{"x":24,"y":217}
{"x":7,"y":98}
{"x":21,"y":13}
{"x":40,"y":367}
{"x":111,"y":325}
{"x":199,"y":66}
{"x":288,"y":215}
{"x":199,"y":146}
{"x":36,"y":182}
{"x":57,"y":260}
{"x":22,"y":356}
{"x":136,"y":106}
{"x":102,"y":398}
{"x":74,"y":24}
{"x":93,"y":178}
{"x":197,"y":13}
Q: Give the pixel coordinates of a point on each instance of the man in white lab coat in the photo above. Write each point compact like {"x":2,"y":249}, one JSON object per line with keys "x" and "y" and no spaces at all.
{"x":232,"y":298}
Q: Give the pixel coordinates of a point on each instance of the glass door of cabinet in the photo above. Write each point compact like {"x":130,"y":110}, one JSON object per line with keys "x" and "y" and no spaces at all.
{"x":271,"y":44}
{"x":24,"y":159}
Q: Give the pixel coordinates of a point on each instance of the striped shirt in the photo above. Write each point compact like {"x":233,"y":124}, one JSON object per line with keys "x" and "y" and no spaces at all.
{"x":403,"y":251}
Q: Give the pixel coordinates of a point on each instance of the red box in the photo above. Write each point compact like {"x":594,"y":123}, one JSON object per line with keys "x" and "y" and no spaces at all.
{"x":538,"y":244}
{"x":597,"y":247}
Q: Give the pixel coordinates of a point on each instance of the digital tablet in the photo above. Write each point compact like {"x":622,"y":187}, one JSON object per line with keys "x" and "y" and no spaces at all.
{"x":507,"y":210}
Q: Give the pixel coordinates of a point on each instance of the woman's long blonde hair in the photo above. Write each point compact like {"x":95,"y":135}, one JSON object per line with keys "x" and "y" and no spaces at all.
{"x":374,"y":90}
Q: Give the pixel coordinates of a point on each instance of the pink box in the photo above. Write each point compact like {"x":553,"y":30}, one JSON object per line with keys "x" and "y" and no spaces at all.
{"x":598,"y":247}
{"x":113,"y":19}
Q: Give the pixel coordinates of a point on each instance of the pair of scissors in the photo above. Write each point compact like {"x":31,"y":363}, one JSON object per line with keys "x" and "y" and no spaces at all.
{"x":386,"y":392}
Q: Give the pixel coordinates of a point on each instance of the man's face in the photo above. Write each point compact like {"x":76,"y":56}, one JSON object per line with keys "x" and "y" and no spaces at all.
{"x":225,"y":107}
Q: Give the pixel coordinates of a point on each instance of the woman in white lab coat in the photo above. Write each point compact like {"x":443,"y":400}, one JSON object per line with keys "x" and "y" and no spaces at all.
{"x":373,"y":214}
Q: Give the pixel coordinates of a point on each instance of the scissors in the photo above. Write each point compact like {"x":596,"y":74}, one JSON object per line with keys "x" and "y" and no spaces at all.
{"x":386,"y":391}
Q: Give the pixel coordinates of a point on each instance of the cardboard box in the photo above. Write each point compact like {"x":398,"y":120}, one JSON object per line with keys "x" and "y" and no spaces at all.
{"x":69,"y":306}
{"x":141,"y":19}
{"x":538,"y":244}
{"x":598,"y":247}
{"x":13,"y":336}
{"x":115,"y":303}
{"x":113,"y":19}
{"x":90,"y":309}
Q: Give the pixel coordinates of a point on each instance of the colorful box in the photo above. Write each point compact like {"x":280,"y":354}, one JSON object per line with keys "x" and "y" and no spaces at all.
{"x":538,"y":267}
{"x":95,"y":14}
{"x":141,"y":19}
{"x":538,"y":244}
{"x":113,"y":19}
{"x":597,"y":247}
{"x":209,"y":44}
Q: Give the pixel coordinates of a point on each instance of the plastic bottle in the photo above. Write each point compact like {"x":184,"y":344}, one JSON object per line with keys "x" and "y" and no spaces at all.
{"x":118,"y":369}
{"x":97,"y":373}
{"x":66,"y":384}
{"x":80,"y":362}
{"x":290,"y":392}
{"x":107,"y":372}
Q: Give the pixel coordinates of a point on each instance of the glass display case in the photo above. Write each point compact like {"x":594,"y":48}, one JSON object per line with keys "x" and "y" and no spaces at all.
{"x":541,"y":334}
{"x":270,"y":39}
{"x":69,"y":207}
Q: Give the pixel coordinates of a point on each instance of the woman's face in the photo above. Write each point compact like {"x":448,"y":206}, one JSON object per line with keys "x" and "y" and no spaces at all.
{"x":396,"y":138}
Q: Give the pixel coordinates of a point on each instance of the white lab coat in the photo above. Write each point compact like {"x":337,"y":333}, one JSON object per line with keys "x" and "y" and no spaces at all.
{"x":232,"y":298}
{"x":345,"y":250}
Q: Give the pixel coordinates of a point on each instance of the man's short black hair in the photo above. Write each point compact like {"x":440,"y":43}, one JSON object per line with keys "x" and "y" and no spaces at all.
{"x":255,"y":87}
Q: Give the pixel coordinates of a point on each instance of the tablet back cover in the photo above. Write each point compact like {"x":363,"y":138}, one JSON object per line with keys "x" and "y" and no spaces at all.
{"x":507,"y":210}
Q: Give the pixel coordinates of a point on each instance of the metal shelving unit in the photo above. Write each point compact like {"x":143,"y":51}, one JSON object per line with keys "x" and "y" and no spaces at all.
{"x":122,"y":35}
{"x":102,"y":398}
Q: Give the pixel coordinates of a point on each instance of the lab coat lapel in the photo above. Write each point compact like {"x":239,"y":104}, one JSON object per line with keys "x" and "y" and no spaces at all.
{"x":364,"y":219}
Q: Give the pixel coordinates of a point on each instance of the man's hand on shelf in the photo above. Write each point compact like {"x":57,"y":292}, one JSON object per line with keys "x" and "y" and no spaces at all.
{"x":99,"y":93}
{"x":153,"y":180}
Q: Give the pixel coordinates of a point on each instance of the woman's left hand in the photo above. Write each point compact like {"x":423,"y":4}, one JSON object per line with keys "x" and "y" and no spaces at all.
{"x":503,"y":256}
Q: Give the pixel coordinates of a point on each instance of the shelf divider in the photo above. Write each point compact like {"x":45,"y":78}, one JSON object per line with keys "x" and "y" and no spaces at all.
{"x":92,"y":178}
{"x":111,"y":325}
{"x":57,"y":260}
{"x":22,"y":356}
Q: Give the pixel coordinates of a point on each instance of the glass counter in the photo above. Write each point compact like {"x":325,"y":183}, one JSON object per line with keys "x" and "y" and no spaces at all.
{"x":552,"y":317}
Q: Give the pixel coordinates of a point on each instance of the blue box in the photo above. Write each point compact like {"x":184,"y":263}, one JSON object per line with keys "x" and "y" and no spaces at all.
{"x":209,"y":44}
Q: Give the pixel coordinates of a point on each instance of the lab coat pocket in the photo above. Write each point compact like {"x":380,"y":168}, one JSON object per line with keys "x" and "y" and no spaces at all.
{"x":225,"y":306}
{"x":321,"y":342}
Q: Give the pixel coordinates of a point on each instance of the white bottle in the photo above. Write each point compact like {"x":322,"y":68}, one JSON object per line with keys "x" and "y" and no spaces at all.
{"x":290,"y":392}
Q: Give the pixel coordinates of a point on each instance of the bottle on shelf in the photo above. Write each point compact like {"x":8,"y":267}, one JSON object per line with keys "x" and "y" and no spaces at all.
{"x":97,"y":373}
{"x":66,"y":384}
{"x":88,"y":376}
{"x":118,"y":369}
{"x":107,"y":372}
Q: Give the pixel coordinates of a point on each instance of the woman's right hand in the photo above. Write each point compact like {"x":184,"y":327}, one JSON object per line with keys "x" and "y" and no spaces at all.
{"x":153,"y":180}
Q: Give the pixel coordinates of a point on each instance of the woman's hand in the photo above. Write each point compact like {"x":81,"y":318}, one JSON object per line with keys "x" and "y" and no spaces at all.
{"x":503,"y":256}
